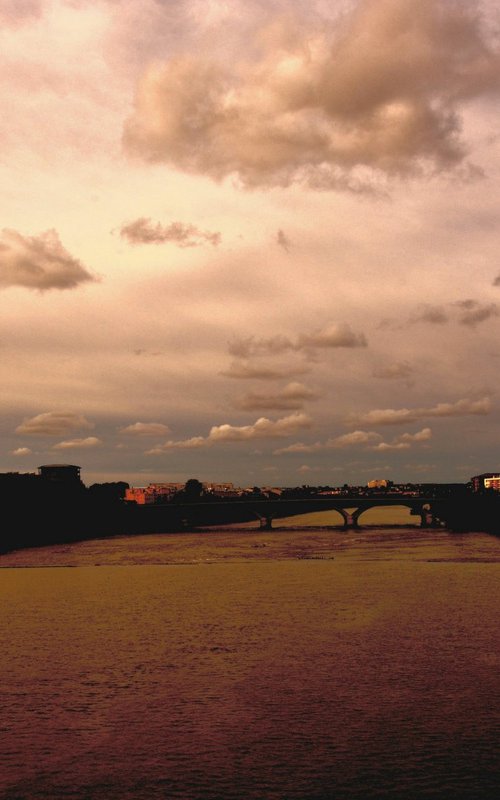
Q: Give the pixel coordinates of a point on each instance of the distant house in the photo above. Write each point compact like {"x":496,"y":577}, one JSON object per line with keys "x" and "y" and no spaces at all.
{"x":154,"y":493}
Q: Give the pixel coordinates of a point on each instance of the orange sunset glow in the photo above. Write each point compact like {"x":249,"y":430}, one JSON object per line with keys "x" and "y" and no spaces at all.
{"x":250,"y":419}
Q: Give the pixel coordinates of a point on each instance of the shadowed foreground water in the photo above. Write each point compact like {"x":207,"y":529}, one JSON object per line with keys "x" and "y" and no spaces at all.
{"x":287,"y":664}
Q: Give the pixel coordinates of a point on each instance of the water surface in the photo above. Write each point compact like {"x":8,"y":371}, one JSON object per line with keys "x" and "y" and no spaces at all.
{"x":244,"y":664}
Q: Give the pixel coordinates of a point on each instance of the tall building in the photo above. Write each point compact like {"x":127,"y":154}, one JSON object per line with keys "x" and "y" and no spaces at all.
{"x":60,"y":473}
{"x":488,"y":480}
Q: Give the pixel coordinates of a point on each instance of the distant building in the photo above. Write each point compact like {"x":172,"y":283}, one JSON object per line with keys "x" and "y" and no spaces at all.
{"x":219,"y":488}
{"x":379,"y":483}
{"x":153,"y":493}
{"x":60,"y":473}
{"x":488,"y":480}
{"x":161,"y":492}
{"x":139,"y":495}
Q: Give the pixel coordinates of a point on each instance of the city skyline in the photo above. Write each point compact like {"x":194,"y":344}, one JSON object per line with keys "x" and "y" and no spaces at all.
{"x":250,"y":242}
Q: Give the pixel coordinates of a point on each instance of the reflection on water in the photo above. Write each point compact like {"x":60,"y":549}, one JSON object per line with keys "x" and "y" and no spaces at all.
{"x":283,"y":664}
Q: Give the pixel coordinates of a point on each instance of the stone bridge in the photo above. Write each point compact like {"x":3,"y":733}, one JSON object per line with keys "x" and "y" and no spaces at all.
{"x":349,"y":508}
{"x":433,"y":512}
{"x":467,"y":512}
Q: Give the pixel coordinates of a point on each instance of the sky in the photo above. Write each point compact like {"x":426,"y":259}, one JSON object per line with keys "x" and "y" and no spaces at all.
{"x":250,"y":240}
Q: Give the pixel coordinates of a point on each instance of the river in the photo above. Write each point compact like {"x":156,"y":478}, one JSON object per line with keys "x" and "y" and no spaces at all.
{"x":248,"y":665}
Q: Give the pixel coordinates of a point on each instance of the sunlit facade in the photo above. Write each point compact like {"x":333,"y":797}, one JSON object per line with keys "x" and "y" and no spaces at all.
{"x":488,"y":480}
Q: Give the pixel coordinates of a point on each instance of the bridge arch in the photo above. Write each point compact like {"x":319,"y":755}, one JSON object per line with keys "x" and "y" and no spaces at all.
{"x":403,"y":513}
{"x":323,"y":517}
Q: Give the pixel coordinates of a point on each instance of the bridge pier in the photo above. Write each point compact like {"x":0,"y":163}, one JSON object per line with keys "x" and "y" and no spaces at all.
{"x":350,"y":518}
{"x":265,"y":523}
{"x":427,"y":517}
{"x":428,"y":520}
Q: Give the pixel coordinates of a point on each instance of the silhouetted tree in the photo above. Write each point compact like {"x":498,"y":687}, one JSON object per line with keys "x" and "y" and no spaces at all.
{"x":108,"y":491}
{"x":193,"y":489}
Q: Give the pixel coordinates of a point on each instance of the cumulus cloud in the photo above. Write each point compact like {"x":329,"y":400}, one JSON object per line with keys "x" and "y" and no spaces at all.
{"x":333,"y":335}
{"x":144,"y":231}
{"x":283,"y":241}
{"x":382,"y":87}
{"x":368,"y":440}
{"x":291,"y":396}
{"x":53,"y":423}
{"x":299,"y":447}
{"x":193,"y":443}
{"x":38,"y":262}
{"x":246,"y":371}
{"x":22,"y":451}
{"x":396,"y":371}
{"x":250,"y":346}
{"x":82,"y":444}
{"x":304,"y":469}
{"x":421,"y":436}
{"x":385,"y":446}
{"x":472,"y":312}
{"x":391,"y":416}
{"x":355,"y":438}
{"x":145,"y":429}
{"x":263,"y":428}
{"x":436,"y":315}
{"x":405,"y":441}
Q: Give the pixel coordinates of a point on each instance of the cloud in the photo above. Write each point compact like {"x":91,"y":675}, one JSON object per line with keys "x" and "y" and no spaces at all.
{"x":382,"y":87}
{"x":405,"y":441}
{"x":355,"y":438}
{"x":333,"y":335}
{"x":53,"y":423}
{"x":246,"y":370}
{"x":305,"y":468}
{"x":185,"y":444}
{"x":391,"y":416}
{"x":144,"y":231}
{"x":436,"y":315}
{"x":283,"y":241}
{"x":471,"y":313}
{"x":396,"y":371}
{"x":299,"y":447}
{"x":263,"y":428}
{"x":291,"y":396}
{"x":22,"y":451}
{"x":38,"y":262}
{"x":250,"y":346}
{"x":83,"y":444}
{"x":385,"y":446}
{"x":368,"y":440}
{"x":421,"y":436}
{"x":16,"y":12}
{"x":146,"y":429}
{"x":474,"y":312}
